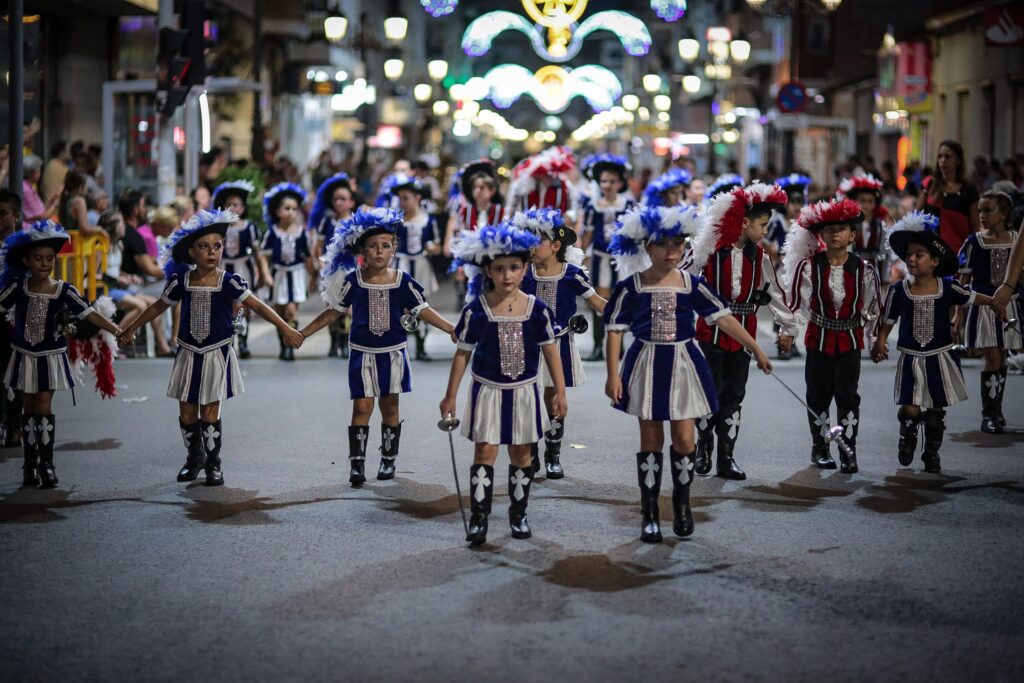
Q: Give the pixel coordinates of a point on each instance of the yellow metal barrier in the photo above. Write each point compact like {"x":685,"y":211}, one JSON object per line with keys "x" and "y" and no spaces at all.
{"x":85,"y":264}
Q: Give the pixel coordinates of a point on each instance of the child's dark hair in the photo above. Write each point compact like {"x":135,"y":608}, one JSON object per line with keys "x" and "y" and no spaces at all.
{"x":523,"y":256}
{"x":562,"y":246}
{"x":759,"y":210}
{"x":12,"y":198}
{"x":1003,"y":201}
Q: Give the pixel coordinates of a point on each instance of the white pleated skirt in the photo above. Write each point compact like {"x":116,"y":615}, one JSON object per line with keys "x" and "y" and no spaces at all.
{"x":378,"y":372}
{"x":420,"y":270}
{"x":289,"y":284}
{"x":666,"y":382}
{"x":572,"y":364}
{"x":32,"y":373}
{"x":204,"y":377}
{"x":932,"y":381}
{"x":504,"y":414}
{"x":984,"y":330}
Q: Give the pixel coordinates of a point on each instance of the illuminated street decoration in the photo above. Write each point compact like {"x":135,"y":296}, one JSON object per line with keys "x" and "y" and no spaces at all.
{"x":669,"y":10}
{"x":553,"y":87}
{"x":557,"y":16}
{"x":631,"y":32}
{"x":439,"y":8}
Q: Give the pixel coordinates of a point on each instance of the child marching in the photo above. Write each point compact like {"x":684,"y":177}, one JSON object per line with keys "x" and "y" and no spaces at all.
{"x":597,"y":223}
{"x":286,"y":244}
{"x":505,"y":330}
{"x":928,"y":375}
{"x":836,"y":293}
{"x":39,"y":361}
{"x":379,"y":296}
{"x":417,"y":237}
{"x":335,"y":201}
{"x":664,"y":375}
{"x":728,"y":253}
{"x":556,"y":278}
{"x":983,"y":262}
{"x":205,"y":371}
{"x":241,"y":246}
{"x":866,"y":190}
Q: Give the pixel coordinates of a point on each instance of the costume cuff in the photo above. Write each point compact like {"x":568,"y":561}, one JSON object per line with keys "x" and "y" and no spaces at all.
{"x":464,"y":346}
{"x":974,"y":295}
{"x":244,"y":295}
{"x":547,"y":341}
{"x":716,"y":315}
{"x":616,"y":328}
{"x":589,"y":293}
{"x":420,"y":307}
{"x":85,"y":313}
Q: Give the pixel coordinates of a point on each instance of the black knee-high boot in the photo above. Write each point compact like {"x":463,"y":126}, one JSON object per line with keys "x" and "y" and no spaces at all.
{"x":682,"y":477}
{"x":389,"y":438}
{"x":288,"y":353}
{"x":195,"y":459}
{"x":820,"y":451}
{"x":705,"y":445}
{"x":519,"y":479}
{"x":998,"y":403}
{"x":990,"y":383}
{"x":598,"y":331}
{"x":15,"y":423}
{"x":648,"y":473}
{"x":909,"y":428}
{"x":358,"y":435}
{"x":212,"y":440}
{"x":553,"y":448}
{"x":727,"y":430}
{"x":243,"y":338}
{"x":934,"y":429}
{"x":45,"y":433}
{"x":421,"y":345}
{"x":848,"y":455}
{"x":534,"y":458}
{"x":481,"y":481}
{"x":280,"y":341}
{"x":28,"y":445}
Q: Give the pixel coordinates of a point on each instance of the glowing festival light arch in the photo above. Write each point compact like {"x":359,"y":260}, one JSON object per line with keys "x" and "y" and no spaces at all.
{"x":553,"y":86}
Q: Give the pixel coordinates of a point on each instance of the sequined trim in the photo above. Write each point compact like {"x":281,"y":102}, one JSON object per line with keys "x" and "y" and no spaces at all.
{"x":231,"y":242}
{"x":35,"y":320}
{"x":199,"y":315}
{"x":1000,"y":258}
{"x":380,"y":311}
{"x":547,"y":291}
{"x":511,"y":353}
{"x":663,"y":316}
{"x":924,"y":321}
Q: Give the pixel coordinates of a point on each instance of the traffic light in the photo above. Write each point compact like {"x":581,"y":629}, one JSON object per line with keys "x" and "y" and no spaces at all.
{"x":180,"y":61}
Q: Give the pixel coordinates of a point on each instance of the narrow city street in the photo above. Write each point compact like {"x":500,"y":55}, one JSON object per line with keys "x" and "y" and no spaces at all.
{"x":288,"y":573}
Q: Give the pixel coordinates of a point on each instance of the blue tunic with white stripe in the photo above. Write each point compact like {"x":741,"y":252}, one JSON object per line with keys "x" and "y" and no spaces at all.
{"x":377,"y":310}
{"x":560,"y":293}
{"x":206,"y":312}
{"x":36,"y":328}
{"x":506,"y":350}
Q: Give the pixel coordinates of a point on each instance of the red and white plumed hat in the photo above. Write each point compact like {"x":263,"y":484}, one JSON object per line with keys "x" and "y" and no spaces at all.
{"x":854,"y":185}
{"x":803,"y":241}
{"x":723,"y":220}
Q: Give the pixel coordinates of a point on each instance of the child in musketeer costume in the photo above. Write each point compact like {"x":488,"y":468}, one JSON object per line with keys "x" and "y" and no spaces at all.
{"x":664,"y":374}
{"x":728,"y":253}
{"x":983,"y":263}
{"x":39,"y":362}
{"x":540,"y":181}
{"x":205,"y":370}
{"x":241,"y":246}
{"x":475,"y":202}
{"x":668,"y":189}
{"x":287,"y":245}
{"x":866,"y":190}
{"x":379,"y":296}
{"x":928,"y":375}
{"x":556,"y":278}
{"x":836,"y":293}
{"x":505,"y":330}
{"x":416,"y":238}
{"x":335,"y":201}
{"x":597,"y":222}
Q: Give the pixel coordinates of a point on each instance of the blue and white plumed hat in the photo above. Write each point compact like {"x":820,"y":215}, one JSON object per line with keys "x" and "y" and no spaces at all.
{"x":649,"y":224}
{"x":174,"y":257}
{"x":324,"y":198}
{"x":919,"y":227}
{"x":550,"y":223}
{"x":391,"y":184}
{"x":275,"y":195}
{"x":241,"y":188}
{"x":795,"y":184}
{"x":15,"y":248}
{"x":724,"y":183}
{"x":474,"y":247}
{"x":598,"y":163}
{"x":674,"y":177}
{"x":340,"y":255}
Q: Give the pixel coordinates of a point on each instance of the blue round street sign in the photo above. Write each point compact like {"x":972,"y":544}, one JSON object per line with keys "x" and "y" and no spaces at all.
{"x":792,"y":98}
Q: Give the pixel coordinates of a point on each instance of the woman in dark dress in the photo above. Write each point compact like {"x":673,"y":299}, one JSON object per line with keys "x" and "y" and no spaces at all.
{"x":949,"y":196}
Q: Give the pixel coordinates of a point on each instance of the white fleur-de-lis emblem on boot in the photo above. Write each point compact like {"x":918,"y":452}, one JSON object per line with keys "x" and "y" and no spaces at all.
{"x":45,"y":427}
{"x":650,"y":466}
{"x":30,"y":431}
{"x":849,"y":425}
{"x":210,"y":435}
{"x":734,"y":425}
{"x":389,"y":436}
{"x":685,"y":467}
{"x":186,"y":436}
{"x":481,"y":481}
{"x":520,"y":481}
{"x":822,"y":422}
{"x":992,"y":384}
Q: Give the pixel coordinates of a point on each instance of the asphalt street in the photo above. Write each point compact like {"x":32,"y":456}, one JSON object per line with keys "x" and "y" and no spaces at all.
{"x":287,"y":573}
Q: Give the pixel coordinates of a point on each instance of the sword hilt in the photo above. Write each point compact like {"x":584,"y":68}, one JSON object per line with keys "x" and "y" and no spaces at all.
{"x":449,"y":423}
